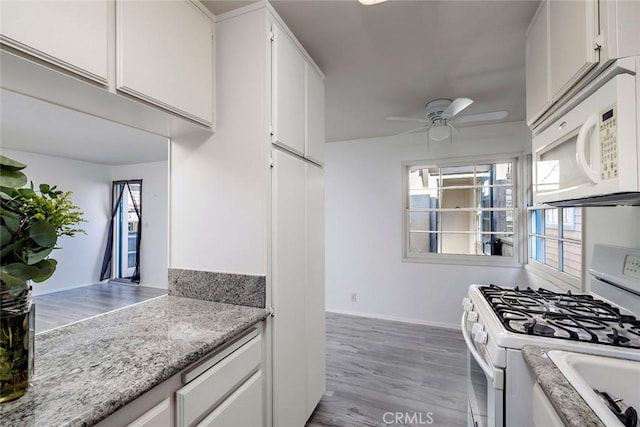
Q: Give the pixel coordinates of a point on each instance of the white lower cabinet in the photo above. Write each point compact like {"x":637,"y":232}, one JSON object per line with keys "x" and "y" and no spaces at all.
{"x":160,"y":415}
{"x":202,"y":395}
{"x":243,"y":408}
{"x":225,"y":388}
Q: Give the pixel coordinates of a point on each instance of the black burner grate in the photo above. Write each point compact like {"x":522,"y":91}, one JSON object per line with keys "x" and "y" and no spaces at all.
{"x":578,"y":317}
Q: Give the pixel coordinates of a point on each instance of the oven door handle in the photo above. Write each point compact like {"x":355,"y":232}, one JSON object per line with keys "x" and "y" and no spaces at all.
{"x":494,"y":375}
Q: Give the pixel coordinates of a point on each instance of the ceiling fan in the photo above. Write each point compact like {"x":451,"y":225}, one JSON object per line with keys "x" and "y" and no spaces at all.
{"x":442,"y":114}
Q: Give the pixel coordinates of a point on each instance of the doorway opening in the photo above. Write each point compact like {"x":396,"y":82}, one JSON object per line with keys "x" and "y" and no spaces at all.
{"x":121,"y":261}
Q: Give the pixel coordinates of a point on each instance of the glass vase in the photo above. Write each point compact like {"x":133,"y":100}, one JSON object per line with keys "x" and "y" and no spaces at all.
{"x":17,"y":334}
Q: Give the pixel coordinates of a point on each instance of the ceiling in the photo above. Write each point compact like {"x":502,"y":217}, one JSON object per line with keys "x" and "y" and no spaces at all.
{"x":29,"y":124}
{"x":390,"y":59}
{"x":384,"y":60}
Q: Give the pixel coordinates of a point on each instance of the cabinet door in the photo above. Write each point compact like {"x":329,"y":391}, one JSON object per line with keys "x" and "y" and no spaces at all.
{"x":314,"y":137}
{"x":71,"y":35}
{"x":165,"y":56}
{"x":537,"y":64}
{"x":243,"y":408}
{"x":572,"y":53}
{"x":315,"y":298}
{"x":288,"y":273}
{"x":288,"y":96}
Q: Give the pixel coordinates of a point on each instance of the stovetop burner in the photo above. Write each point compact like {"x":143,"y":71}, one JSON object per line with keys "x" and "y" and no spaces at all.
{"x":578,"y":317}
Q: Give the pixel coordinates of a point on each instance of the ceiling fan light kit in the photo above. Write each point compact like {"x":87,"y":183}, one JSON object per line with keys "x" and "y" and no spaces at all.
{"x":371,"y":2}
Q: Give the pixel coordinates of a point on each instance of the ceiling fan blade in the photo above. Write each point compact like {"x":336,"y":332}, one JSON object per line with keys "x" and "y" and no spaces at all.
{"x":415,"y":130}
{"x":406,"y":119}
{"x":456,"y":106}
{"x":482,"y":117}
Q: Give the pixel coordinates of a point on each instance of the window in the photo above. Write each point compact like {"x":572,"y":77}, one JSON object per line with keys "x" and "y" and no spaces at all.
{"x":466,"y":209}
{"x":556,"y":245}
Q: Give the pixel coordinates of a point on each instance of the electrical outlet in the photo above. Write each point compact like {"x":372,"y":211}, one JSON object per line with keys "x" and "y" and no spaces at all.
{"x":354,"y":297}
{"x":632,"y":266}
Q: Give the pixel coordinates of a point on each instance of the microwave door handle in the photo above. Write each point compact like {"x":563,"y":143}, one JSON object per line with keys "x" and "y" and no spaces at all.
{"x":585,"y":134}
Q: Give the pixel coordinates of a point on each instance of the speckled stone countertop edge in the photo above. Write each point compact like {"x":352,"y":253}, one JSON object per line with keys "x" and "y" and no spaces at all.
{"x":180,"y":332}
{"x":567,"y":402}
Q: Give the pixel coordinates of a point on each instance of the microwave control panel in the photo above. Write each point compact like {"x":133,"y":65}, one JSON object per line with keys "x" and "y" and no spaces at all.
{"x":608,"y":144}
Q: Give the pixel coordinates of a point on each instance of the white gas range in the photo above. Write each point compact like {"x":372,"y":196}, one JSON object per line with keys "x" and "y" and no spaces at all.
{"x":498,"y":322}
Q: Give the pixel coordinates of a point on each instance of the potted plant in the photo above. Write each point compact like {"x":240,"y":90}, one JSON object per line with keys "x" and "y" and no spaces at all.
{"x":30,"y":223}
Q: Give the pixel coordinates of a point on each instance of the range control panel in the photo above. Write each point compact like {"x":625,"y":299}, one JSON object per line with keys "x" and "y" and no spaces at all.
{"x":608,"y":144}
{"x":632,"y":266}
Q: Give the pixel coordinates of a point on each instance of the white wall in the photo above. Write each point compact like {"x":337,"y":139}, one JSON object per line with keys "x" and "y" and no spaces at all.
{"x":80,"y":258}
{"x":155,"y":224}
{"x":364,"y":228}
{"x":220,"y":187}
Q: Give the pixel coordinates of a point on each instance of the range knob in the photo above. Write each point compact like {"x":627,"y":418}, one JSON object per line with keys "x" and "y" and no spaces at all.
{"x":467,"y":304}
{"x":480,"y":337}
{"x":472,"y":316}
{"x":477,"y":327}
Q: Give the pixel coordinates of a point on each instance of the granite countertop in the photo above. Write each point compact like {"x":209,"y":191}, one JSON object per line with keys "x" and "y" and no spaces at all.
{"x":573,"y":410}
{"x":87,"y":370}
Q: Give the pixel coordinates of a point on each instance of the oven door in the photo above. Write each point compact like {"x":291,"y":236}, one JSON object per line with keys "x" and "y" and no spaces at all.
{"x":485,"y":382}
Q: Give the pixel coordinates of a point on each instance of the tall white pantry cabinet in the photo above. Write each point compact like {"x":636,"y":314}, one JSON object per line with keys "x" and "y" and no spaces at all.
{"x":256,"y":204}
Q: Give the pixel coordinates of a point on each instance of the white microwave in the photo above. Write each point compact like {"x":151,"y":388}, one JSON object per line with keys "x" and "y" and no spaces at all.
{"x":588,"y":153}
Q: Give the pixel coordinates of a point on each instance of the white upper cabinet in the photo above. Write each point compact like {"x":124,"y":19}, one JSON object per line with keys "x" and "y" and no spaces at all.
{"x":538,"y":96}
{"x":288,"y":98}
{"x":72,"y":35}
{"x":314,"y":132}
{"x":572,"y":42}
{"x":165,"y":56}
{"x":569,"y":42}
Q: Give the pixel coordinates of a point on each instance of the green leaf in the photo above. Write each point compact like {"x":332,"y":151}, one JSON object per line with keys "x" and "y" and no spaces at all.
{"x":12,"y":179}
{"x":10,"y":164}
{"x":35,"y":257}
{"x":27,"y":193}
{"x":44,"y":234}
{"x":17,"y":273}
{"x":6,"y":250}
{"x":5,"y":236}
{"x":44,"y":188}
{"x":10,"y":222}
{"x":46,"y":268}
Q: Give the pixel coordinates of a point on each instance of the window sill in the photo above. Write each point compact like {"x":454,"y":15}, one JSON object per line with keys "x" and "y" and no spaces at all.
{"x":471,"y":261}
{"x":557,"y":278}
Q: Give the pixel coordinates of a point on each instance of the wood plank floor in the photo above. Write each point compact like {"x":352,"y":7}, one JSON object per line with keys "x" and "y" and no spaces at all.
{"x":378,"y":366}
{"x":60,"y":308}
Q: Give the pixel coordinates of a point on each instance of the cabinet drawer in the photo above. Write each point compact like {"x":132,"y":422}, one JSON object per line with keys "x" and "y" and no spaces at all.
{"x":158,"y":416}
{"x":242,"y":408}
{"x":205,"y":392}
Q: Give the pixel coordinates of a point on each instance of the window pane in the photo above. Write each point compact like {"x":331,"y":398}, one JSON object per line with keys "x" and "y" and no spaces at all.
{"x":422,"y":221}
{"x":503,"y":173}
{"x":131,"y":259}
{"x":572,"y":256}
{"x":494,"y":244}
{"x":551,"y":222}
{"x":457,"y":221}
{"x":551,"y":253}
{"x":494,"y":197}
{"x":572,"y":222}
{"x":461,"y":244}
{"x":454,"y":198}
{"x":423,"y":243}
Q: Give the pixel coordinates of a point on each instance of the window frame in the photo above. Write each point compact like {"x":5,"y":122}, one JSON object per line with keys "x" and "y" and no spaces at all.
{"x":555,"y":275}
{"x":514,"y":261}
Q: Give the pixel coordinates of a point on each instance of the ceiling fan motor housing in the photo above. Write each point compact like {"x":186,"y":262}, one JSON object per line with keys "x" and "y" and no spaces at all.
{"x":436,"y":108}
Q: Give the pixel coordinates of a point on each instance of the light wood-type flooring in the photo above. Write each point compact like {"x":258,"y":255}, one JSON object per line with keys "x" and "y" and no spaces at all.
{"x":59,"y":308}
{"x":378,"y":366}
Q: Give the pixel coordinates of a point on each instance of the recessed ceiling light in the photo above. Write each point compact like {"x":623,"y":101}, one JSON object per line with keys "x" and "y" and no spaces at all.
{"x":370,"y":2}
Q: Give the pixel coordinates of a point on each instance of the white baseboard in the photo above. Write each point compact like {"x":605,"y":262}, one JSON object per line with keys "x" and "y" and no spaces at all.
{"x":396,"y":319}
